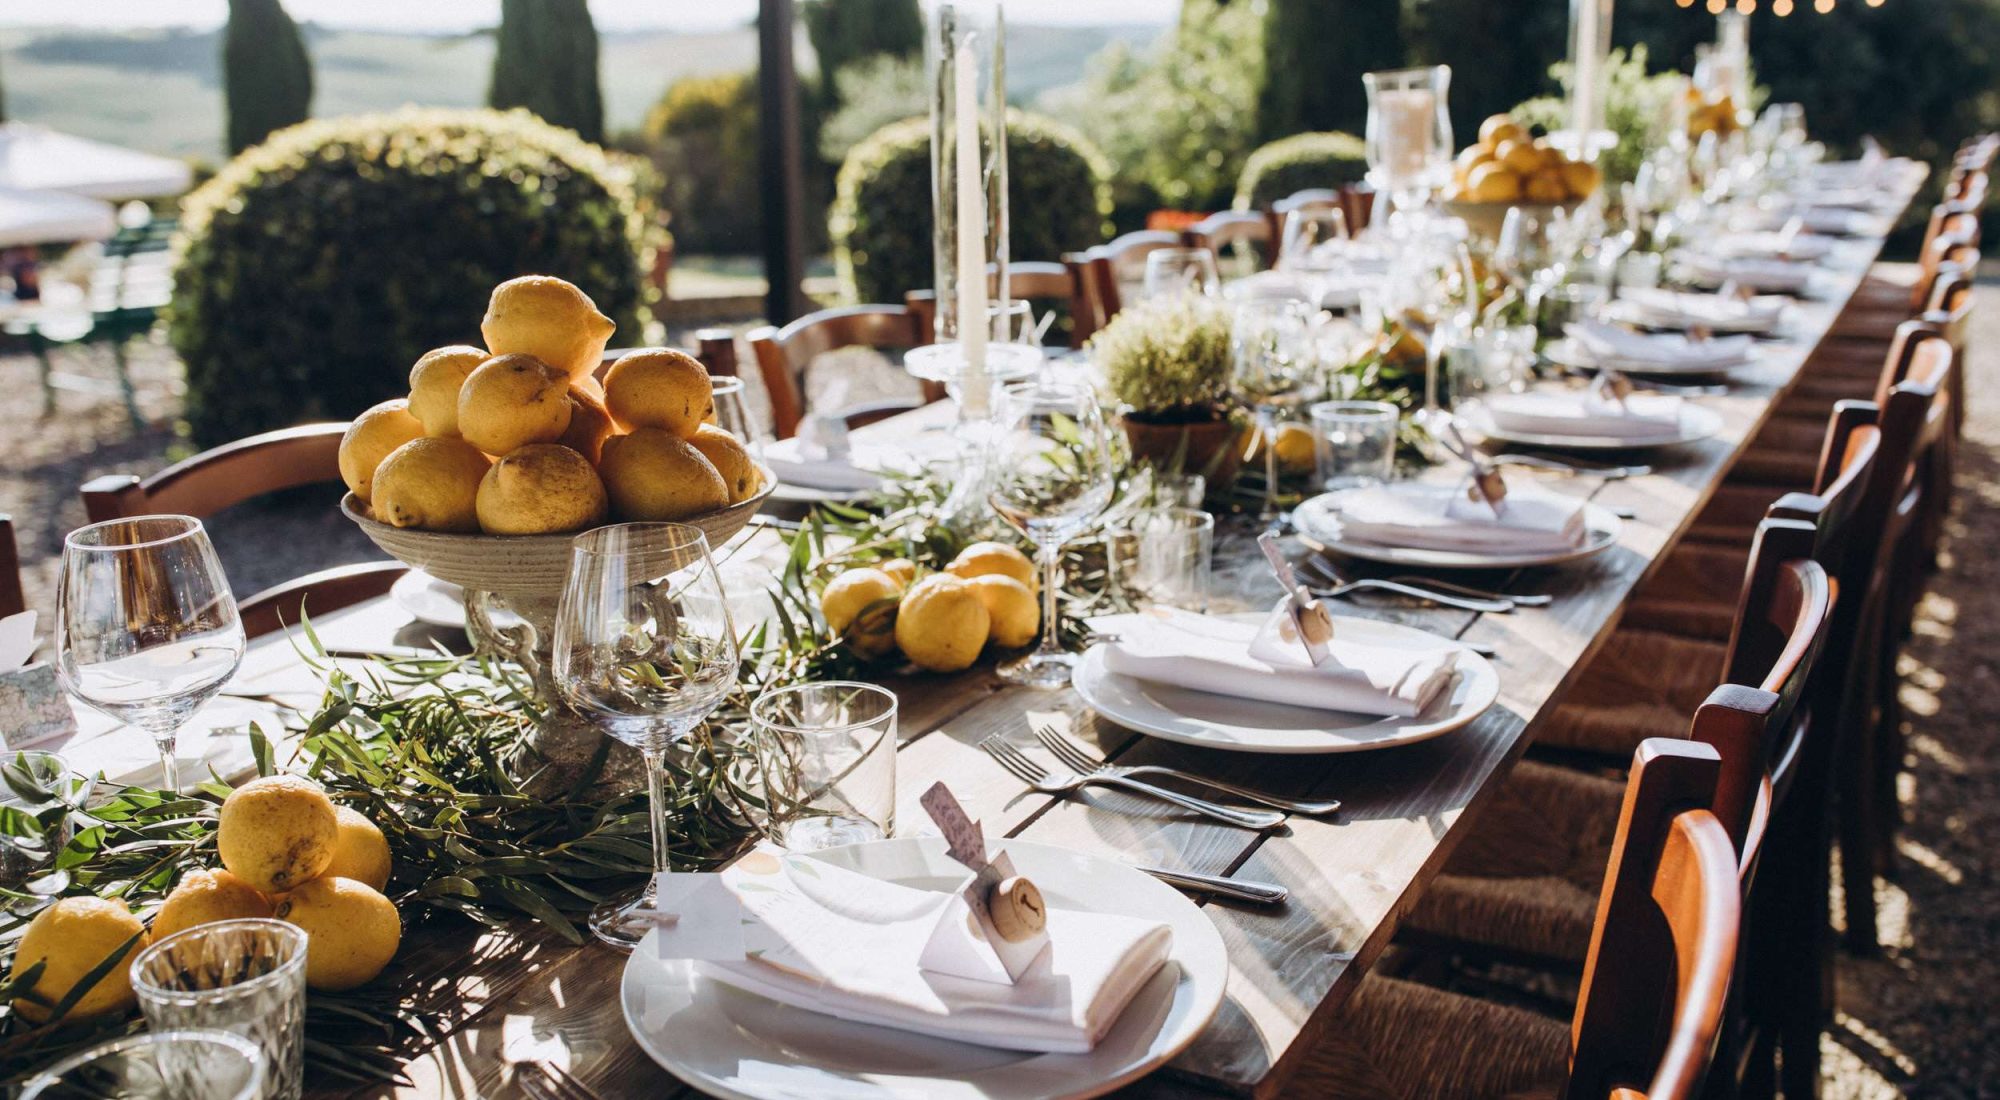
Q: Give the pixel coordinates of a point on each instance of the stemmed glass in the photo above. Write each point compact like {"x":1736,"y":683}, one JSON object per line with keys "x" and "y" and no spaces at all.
{"x":146,"y":628}
{"x":1052,"y":475}
{"x":1268,"y":343}
{"x":1175,"y":271}
{"x":1313,"y":250}
{"x":644,"y":645}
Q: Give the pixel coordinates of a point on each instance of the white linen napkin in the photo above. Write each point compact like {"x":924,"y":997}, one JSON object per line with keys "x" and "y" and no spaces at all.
{"x":1658,"y":307}
{"x":1772,"y":245}
{"x":1756,"y":272}
{"x":831,"y":940}
{"x":1389,"y":677}
{"x":1621,"y":348}
{"x":1643,"y":417}
{"x":17,"y":640}
{"x":811,"y":467}
{"x":1438,"y":516}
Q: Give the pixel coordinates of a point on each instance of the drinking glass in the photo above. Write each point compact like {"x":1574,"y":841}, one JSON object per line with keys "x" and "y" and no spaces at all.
{"x":733,"y":415}
{"x":828,"y":755}
{"x":1165,"y":555}
{"x":1052,"y":475}
{"x":1480,"y":359}
{"x":1354,"y":443}
{"x":41,"y":787}
{"x":156,"y":1065}
{"x":644,"y":646}
{"x":246,"y":977}
{"x":1268,"y":343}
{"x":1175,"y":271}
{"x":146,"y":629}
{"x":1314,"y":250}
{"x":1569,"y":304}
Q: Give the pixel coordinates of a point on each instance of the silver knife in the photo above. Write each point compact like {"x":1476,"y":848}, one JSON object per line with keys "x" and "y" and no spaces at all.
{"x":1309,"y":616}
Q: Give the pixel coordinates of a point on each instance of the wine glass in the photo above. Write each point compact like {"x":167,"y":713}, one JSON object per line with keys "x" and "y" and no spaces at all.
{"x":1052,"y":475}
{"x":1171,"y":272}
{"x":1267,"y":342}
{"x":146,"y":628}
{"x":1314,"y":250}
{"x":644,"y":646}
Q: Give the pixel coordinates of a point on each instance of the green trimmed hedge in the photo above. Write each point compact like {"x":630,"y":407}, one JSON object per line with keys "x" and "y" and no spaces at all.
{"x":1290,"y":165}
{"x":315,"y":268}
{"x":1059,"y":200}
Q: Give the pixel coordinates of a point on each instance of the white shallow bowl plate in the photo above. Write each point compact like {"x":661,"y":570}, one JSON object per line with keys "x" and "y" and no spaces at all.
{"x":729,"y":1043}
{"x":1697,"y":423}
{"x":800,"y":494}
{"x":1319,"y":520}
{"x":1565,"y":352}
{"x":429,"y":600}
{"x":1247,"y":725}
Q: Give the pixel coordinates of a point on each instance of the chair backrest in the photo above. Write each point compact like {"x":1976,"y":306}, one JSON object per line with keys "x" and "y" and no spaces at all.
{"x":783,"y":353}
{"x":12,"y":601}
{"x":217,"y":478}
{"x":316,"y":594}
{"x":1121,"y":259}
{"x":1235,"y":232}
{"x":716,"y":348}
{"x":1029,"y":280}
{"x":1656,"y":979}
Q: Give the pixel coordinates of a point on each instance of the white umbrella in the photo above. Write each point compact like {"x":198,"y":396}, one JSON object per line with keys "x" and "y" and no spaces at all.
{"x":51,"y":217}
{"x":36,"y":158}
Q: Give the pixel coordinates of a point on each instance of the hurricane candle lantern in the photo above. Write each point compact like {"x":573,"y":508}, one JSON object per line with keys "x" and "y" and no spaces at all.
{"x":1589,"y":45}
{"x":1409,"y":132}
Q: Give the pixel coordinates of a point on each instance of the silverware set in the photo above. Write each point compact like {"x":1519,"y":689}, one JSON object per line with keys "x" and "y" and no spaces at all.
{"x":1571,"y":469}
{"x":1079,"y":759}
{"x":1429,"y":590}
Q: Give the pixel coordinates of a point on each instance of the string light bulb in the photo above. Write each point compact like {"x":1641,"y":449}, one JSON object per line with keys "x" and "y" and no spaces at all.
{"x":1746,"y":6}
{"x":1781,"y":7}
{"x":1822,"y":6}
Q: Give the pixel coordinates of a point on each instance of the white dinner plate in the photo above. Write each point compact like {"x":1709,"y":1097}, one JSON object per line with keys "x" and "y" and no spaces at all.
{"x":1696,"y":423}
{"x":429,"y":600}
{"x":1204,"y":718}
{"x":1318,"y":519}
{"x":1566,"y":352}
{"x":726,"y":1042}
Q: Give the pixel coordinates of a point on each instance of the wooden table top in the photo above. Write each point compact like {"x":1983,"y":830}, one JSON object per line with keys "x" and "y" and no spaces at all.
{"x":497,"y":997}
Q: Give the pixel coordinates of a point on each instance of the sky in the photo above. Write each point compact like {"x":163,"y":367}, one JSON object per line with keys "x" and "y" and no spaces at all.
{"x":461,"y":15}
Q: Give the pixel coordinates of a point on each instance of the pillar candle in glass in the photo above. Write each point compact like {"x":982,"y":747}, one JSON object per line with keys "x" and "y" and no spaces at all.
{"x":965,"y":63}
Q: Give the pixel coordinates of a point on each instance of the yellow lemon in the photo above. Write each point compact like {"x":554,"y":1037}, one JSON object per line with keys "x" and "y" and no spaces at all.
{"x":435,"y":382}
{"x":589,"y":423}
{"x":1493,"y":182}
{"x":370,"y":439}
{"x":730,"y":458}
{"x":860,"y":606}
{"x":70,"y":939}
{"x":1581,"y":178}
{"x":202,"y":897}
{"x":1498,"y":128}
{"x":1546,"y":186}
{"x":982,"y":558}
{"x":659,"y":388}
{"x":552,"y":320}
{"x":903,"y":570}
{"x":360,"y":851}
{"x":653,"y":474}
{"x":430,"y":483}
{"x":942,"y":624}
{"x":541,"y":489}
{"x":1520,"y":157}
{"x":352,"y":931}
{"x":1014,"y":617}
{"x":1294,"y":448}
{"x":276,"y":832}
{"x":511,"y":401}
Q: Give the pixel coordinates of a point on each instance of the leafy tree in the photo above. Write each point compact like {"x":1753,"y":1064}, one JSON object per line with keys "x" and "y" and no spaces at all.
{"x":546,"y":61}
{"x":1314,"y":54}
{"x":703,"y":137}
{"x":844,"y":32}
{"x":872,"y":94}
{"x":1499,"y":53}
{"x":266,"y":74}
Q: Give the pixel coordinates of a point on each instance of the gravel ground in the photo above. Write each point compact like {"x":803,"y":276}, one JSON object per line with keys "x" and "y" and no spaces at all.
{"x":1918,"y":1022}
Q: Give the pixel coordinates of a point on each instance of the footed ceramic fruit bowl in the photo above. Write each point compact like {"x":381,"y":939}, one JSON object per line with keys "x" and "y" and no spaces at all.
{"x":1486,"y":218}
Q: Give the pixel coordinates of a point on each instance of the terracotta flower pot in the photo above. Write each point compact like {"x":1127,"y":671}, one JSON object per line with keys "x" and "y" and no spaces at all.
{"x":1212,"y":448}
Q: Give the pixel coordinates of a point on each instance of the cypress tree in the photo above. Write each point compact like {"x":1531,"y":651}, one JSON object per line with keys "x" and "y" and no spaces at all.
{"x":1314,"y":54}
{"x":845,"y":31}
{"x":546,"y":61}
{"x":267,"y":79}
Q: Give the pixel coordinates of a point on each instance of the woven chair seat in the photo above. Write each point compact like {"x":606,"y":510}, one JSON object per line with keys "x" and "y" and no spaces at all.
{"x":1643,"y":683}
{"x":1694,"y":591}
{"x":1398,"y":1040}
{"x":1527,"y":879}
{"x":1731,"y":516}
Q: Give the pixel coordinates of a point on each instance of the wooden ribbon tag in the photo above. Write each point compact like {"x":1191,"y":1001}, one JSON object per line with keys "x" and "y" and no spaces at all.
{"x":1007,"y":909}
{"x":1612,"y":387}
{"x":1487,"y":487}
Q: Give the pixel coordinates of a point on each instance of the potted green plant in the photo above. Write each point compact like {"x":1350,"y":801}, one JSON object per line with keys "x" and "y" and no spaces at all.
{"x":1167,"y":364}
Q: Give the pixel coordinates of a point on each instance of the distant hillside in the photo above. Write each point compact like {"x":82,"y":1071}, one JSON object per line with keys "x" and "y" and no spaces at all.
{"x":84,"y":81}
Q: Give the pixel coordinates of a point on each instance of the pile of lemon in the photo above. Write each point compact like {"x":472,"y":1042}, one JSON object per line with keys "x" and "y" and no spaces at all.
{"x":1718,"y":118}
{"x":287,"y":852}
{"x":519,"y":438}
{"x":939,"y":622}
{"x":1509,"y":165}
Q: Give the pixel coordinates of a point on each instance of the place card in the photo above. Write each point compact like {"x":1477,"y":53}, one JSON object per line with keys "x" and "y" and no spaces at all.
{"x":699,"y":918}
{"x":996,"y":925}
{"x":33,"y":707}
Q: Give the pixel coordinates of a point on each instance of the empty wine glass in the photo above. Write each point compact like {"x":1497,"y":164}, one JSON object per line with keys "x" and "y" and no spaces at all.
{"x":1314,"y":250}
{"x":157,"y":1065}
{"x":1052,"y":475}
{"x":146,"y":628}
{"x":1176,"y":271}
{"x":1268,"y":343}
{"x":645,"y":647}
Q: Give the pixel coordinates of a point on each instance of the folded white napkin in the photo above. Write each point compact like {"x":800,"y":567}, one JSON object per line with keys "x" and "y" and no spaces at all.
{"x":1772,"y":244}
{"x":1383,"y":677}
{"x":831,"y":940}
{"x":1643,"y":417}
{"x":1658,"y":307}
{"x":1756,"y":272}
{"x":1622,"y":349}
{"x":795,"y":462}
{"x":1420,"y":515}
{"x":17,"y":640}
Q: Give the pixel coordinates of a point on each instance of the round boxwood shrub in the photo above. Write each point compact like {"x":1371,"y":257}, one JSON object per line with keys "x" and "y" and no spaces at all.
{"x":1059,"y":200}
{"x":1297,"y":163}
{"x":316,"y":267}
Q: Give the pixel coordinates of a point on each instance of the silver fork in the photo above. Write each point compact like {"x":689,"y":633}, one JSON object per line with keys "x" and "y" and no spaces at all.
{"x":1477,"y":593}
{"x":1608,"y":473}
{"x":1080,"y":760}
{"x":1342,"y":587}
{"x":1021,"y":767}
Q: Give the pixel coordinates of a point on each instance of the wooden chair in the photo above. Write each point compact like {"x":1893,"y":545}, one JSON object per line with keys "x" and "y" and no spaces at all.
{"x":1122,"y":260}
{"x":1241,"y":233}
{"x":784,"y":353}
{"x":1655,"y":980}
{"x":12,"y":600}
{"x":233,"y":473}
{"x":1033,"y":281}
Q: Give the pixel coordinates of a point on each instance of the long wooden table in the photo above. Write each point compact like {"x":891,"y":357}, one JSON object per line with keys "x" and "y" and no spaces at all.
{"x":500,"y":997}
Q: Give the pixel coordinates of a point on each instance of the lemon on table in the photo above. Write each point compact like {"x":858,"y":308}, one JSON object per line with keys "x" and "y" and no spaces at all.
{"x":276,"y":832}
{"x":511,"y":401}
{"x":1492,"y":182}
{"x":540,"y":489}
{"x":202,"y":897}
{"x":435,"y":382}
{"x":653,"y":474}
{"x":982,"y":558}
{"x":550,"y":319}
{"x":360,"y":851}
{"x":589,"y":423}
{"x":730,"y":458}
{"x":432,"y":484}
{"x":352,"y":931}
{"x":903,"y":570}
{"x":70,"y":939}
{"x":1294,"y":448}
{"x":860,"y":606}
{"x":942,"y":624}
{"x":1014,"y":615}
{"x":659,"y":388}
{"x":369,"y":440}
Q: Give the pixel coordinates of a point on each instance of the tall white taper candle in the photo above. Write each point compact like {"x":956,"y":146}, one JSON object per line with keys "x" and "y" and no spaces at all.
{"x":974,"y":389}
